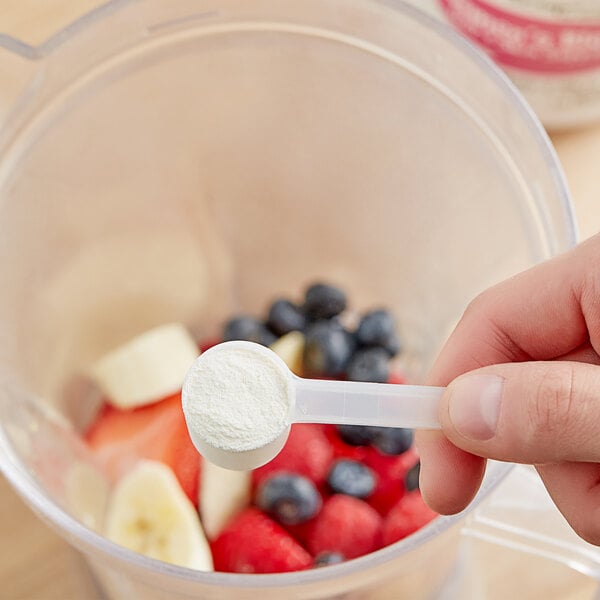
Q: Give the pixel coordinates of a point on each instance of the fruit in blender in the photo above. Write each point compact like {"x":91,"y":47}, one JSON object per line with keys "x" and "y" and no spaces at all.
{"x":223,"y":494}
{"x":346,"y":525}
{"x":352,"y":478}
{"x":323,"y":301}
{"x":285,"y":317}
{"x":328,"y":349}
{"x":307,"y":452}
{"x":406,"y":517}
{"x":149,"y":513}
{"x":255,"y":543}
{"x":288,"y":498}
{"x":149,"y":367}
{"x":377,"y":329}
{"x":248,"y":329}
{"x":121,"y":438}
{"x":370,"y":364}
{"x":332,"y":494}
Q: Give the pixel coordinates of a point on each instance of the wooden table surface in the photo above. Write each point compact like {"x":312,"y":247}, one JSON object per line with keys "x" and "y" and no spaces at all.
{"x":35,"y":563}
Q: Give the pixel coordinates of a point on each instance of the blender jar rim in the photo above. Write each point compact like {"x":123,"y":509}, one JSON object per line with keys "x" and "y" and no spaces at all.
{"x":83,"y":537}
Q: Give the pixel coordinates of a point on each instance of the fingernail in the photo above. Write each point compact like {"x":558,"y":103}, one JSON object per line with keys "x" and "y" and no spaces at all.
{"x":474,"y":405}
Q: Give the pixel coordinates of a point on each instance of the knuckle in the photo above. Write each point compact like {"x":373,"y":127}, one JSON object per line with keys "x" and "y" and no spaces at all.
{"x":587,"y":292}
{"x":550,"y":410}
{"x":485,"y":311}
{"x":590,"y":289}
{"x":476,"y":306}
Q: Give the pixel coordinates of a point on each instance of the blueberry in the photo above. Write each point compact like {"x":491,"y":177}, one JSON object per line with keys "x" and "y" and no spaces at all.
{"x":378,"y":329}
{"x":370,"y":364}
{"x":352,"y":478}
{"x":290,"y":499}
{"x":393,"y":346}
{"x":324,"y":301}
{"x":285,"y":317}
{"x":247,"y":329}
{"x":392,"y":440}
{"x":355,"y":435}
{"x":326,"y":558}
{"x":327,"y":349}
{"x":411,"y":479}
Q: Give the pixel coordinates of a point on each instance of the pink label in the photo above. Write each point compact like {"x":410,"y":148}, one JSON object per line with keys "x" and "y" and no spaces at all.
{"x":526,"y":43}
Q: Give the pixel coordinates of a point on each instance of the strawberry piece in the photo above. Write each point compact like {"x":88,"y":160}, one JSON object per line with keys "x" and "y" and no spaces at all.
{"x":347,"y":525}
{"x":307,"y":452}
{"x":390,"y":471}
{"x":300,"y":532}
{"x":254,"y":543}
{"x":409,"y":515}
{"x":120,"y":438}
{"x":340,"y":448}
{"x":209,"y":343}
{"x":396,"y":377}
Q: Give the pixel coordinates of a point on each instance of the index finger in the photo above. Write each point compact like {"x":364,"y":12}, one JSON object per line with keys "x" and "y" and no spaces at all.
{"x":540,"y":314}
{"x":547,"y":312}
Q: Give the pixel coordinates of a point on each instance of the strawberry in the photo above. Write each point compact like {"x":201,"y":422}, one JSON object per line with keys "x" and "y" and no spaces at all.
{"x":209,"y":343}
{"x":346,"y":525}
{"x":390,"y":471}
{"x":120,"y":438}
{"x":340,"y":448}
{"x":396,"y":377}
{"x":307,"y":452}
{"x":409,"y":515}
{"x":254,"y":543}
{"x":300,"y":532}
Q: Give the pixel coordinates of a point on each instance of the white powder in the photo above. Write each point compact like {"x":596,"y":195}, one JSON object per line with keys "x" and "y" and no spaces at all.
{"x":237,"y":397}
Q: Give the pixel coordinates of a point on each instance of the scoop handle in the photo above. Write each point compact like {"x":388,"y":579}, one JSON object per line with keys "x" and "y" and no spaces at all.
{"x":357,"y":403}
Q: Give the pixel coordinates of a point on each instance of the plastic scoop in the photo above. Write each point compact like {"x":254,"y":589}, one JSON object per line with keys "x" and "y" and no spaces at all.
{"x":240,"y":398}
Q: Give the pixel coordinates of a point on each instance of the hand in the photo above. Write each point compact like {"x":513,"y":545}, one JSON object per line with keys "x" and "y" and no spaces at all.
{"x":524,"y":386}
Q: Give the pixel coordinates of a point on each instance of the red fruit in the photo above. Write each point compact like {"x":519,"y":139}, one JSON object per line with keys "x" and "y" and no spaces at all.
{"x":390,"y":471}
{"x":120,"y":438}
{"x":409,"y":515}
{"x":300,"y":532}
{"x":254,"y":543}
{"x":307,"y":452}
{"x":209,"y":343}
{"x":347,"y":525}
{"x":340,"y":448}
{"x":396,"y":377}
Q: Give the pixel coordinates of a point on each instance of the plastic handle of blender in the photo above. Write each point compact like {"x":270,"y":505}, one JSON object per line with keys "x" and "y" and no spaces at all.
{"x":520,"y":516}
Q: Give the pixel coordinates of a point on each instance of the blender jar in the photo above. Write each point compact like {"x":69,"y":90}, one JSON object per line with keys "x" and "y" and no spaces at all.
{"x":182,"y":161}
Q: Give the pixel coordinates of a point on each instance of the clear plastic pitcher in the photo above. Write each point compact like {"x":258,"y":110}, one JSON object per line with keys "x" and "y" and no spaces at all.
{"x":184,"y":160}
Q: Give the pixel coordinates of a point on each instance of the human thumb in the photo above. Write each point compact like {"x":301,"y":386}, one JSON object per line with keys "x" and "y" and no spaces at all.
{"x":532,"y":412}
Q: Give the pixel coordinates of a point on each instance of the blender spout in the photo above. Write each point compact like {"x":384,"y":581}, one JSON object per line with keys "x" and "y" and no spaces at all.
{"x":24,"y":65}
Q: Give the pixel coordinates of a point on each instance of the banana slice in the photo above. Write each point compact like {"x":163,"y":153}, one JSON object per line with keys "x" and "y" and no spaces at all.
{"x":149,"y":513}
{"x":223,"y":493}
{"x":290,"y":349}
{"x":147,"y":368}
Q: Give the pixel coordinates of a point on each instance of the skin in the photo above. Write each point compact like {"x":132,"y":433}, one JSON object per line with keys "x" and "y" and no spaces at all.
{"x":539,"y":332}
